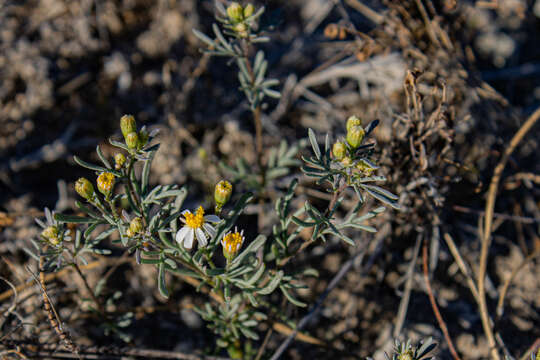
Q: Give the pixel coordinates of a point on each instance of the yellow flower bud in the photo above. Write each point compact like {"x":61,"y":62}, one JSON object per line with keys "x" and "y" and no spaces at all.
{"x":50,"y":232}
{"x":249,"y":9}
{"x":222,"y":192}
{"x":119,"y":161}
{"x":339,"y":150}
{"x":346,"y":161}
{"x":132,"y":140}
{"x":353,"y":121}
{"x":538,"y":355}
{"x":84,"y":188}
{"x":365,"y":168}
{"x":105,"y":183}
{"x":143,"y":139}
{"x":235,"y":12}
{"x":129,"y":233}
{"x":355,"y":135}
{"x":241,"y":29}
{"x":407,"y":355}
{"x":128,"y":124}
{"x":136,"y":225}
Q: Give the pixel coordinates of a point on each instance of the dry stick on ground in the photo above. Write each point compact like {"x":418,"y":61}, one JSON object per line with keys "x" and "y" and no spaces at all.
{"x":404,"y":303}
{"x":53,"y":352}
{"x":486,"y":238}
{"x":440,"y":320}
{"x":53,"y":316}
{"x":502,"y":295}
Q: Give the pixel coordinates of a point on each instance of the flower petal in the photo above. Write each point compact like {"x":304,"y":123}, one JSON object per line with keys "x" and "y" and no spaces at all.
{"x":210,"y":230}
{"x":212,"y":218}
{"x":188,"y":242}
{"x":201,"y":238}
{"x":181,"y":234}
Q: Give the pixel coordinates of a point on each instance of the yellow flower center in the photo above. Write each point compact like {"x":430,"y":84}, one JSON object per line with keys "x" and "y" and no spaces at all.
{"x":105,"y":181}
{"x":196,"y":220}
{"x":232,"y":242}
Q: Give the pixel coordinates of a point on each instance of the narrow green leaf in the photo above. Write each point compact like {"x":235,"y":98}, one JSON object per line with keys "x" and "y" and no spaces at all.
{"x":103,"y":158}
{"x":314,"y":144}
{"x":73,"y":219}
{"x":291,"y":298}
{"x":161,"y":281}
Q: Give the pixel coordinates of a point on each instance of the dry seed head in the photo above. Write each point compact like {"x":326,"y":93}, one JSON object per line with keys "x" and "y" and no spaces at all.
{"x":128,"y":124}
{"x":355,"y":136}
{"x":339,"y":150}
{"x":353,"y":121}
{"x":105,"y":183}
{"x":84,"y":188}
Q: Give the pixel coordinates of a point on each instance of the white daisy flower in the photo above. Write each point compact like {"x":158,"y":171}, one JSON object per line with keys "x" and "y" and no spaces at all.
{"x":196,"y":226}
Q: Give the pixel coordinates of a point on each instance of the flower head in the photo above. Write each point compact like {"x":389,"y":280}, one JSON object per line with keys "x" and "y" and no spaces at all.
{"x":196,"y":226}
{"x":355,"y":135}
{"x":50,"y":233}
{"x":128,"y":124}
{"x":222,"y":193}
{"x":235,"y":12}
{"x":84,"y":188}
{"x":105,"y":183}
{"x":119,"y":161}
{"x":132,"y":140}
{"x":353,"y":121}
{"x":232,"y":242}
{"x":339,"y":150}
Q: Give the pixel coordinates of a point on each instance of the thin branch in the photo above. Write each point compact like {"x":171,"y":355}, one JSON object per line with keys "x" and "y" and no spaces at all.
{"x":486,"y":236}
{"x":436,"y":311}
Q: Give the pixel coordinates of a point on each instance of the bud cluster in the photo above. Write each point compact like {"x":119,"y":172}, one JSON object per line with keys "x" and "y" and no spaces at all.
{"x":238,"y":16}
{"x":134,"y":140}
{"x":344,"y":151}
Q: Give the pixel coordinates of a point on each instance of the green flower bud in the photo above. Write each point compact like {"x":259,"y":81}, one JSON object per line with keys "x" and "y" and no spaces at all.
{"x":346,"y":161}
{"x":355,"y":135}
{"x":249,"y":9}
{"x":84,"y":188}
{"x":105,"y":183}
{"x":222,"y":193}
{"x":143,"y":139}
{"x":132,"y":140}
{"x":51,"y":234}
{"x":128,"y":124}
{"x":241,"y":29}
{"x":353,"y":121}
{"x":538,"y":355}
{"x":136,"y":225}
{"x":366,"y":168}
{"x":235,"y":12}
{"x":119,"y":161}
{"x":339,"y":150}
{"x":407,"y":355}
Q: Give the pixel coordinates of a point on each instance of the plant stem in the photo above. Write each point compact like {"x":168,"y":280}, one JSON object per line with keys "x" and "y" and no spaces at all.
{"x":486,"y":236}
{"x":89,"y":289}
